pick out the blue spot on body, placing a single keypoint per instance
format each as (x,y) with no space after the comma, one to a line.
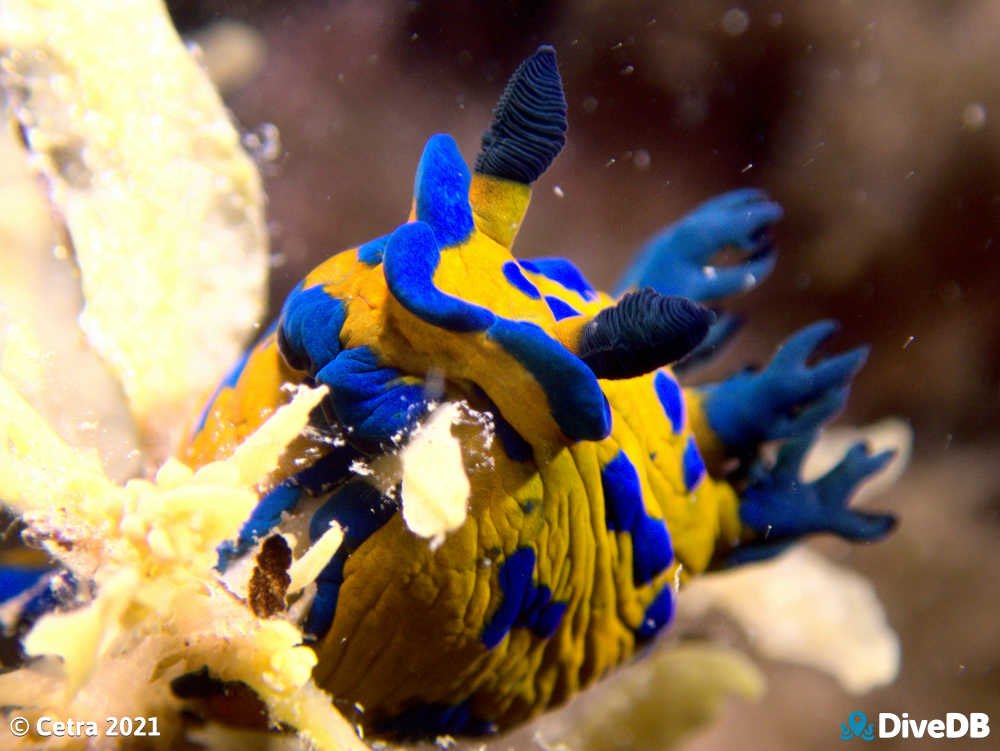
(576,401)
(562,272)
(652,552)
(694,466)
(441,188)
(264,517)
(669,393)
(410,259)
(234,375)
(513,274)
(310,324)
(513,443)
(361,510)
(524,604)
(314,480)
(321,476)
(421,721)
(560,309)
(60,590)
(371,252)
(373,401)
(657,615)
(16,579)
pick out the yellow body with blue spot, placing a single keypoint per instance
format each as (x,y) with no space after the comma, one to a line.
(584,518)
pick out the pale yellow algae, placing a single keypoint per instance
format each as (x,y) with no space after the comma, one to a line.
(164,209)
(654,704)
(159,608)
(802,608)
(43,352)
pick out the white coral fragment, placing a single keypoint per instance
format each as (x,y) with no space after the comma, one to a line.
(305,569)
(435,489)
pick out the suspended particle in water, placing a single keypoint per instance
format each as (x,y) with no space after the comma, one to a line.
(974,116)
(735,21)
(263,142)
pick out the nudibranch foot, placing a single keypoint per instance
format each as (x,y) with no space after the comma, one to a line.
(677,260)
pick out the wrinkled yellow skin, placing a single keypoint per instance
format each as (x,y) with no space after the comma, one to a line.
(409,620)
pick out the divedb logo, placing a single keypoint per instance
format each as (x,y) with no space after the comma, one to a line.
(890,725)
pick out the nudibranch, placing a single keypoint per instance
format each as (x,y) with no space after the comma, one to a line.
(609,485)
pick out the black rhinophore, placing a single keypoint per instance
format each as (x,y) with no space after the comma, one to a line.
(644,331)
(529,122)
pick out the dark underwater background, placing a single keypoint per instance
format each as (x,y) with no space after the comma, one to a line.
(875,124)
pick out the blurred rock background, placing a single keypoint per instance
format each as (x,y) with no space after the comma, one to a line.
(876,125)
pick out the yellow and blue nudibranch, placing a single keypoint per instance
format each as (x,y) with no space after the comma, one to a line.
(596,503)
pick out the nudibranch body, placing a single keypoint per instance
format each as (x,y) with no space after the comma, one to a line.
(594,504)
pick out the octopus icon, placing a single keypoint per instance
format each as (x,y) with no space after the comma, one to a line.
(857,726)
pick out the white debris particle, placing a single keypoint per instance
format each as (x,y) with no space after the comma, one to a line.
(358,467)
(263,142)
(435,488)
(869,72)
(735,21)
(558,191)
(908,342)
(974,116)
(305,569)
